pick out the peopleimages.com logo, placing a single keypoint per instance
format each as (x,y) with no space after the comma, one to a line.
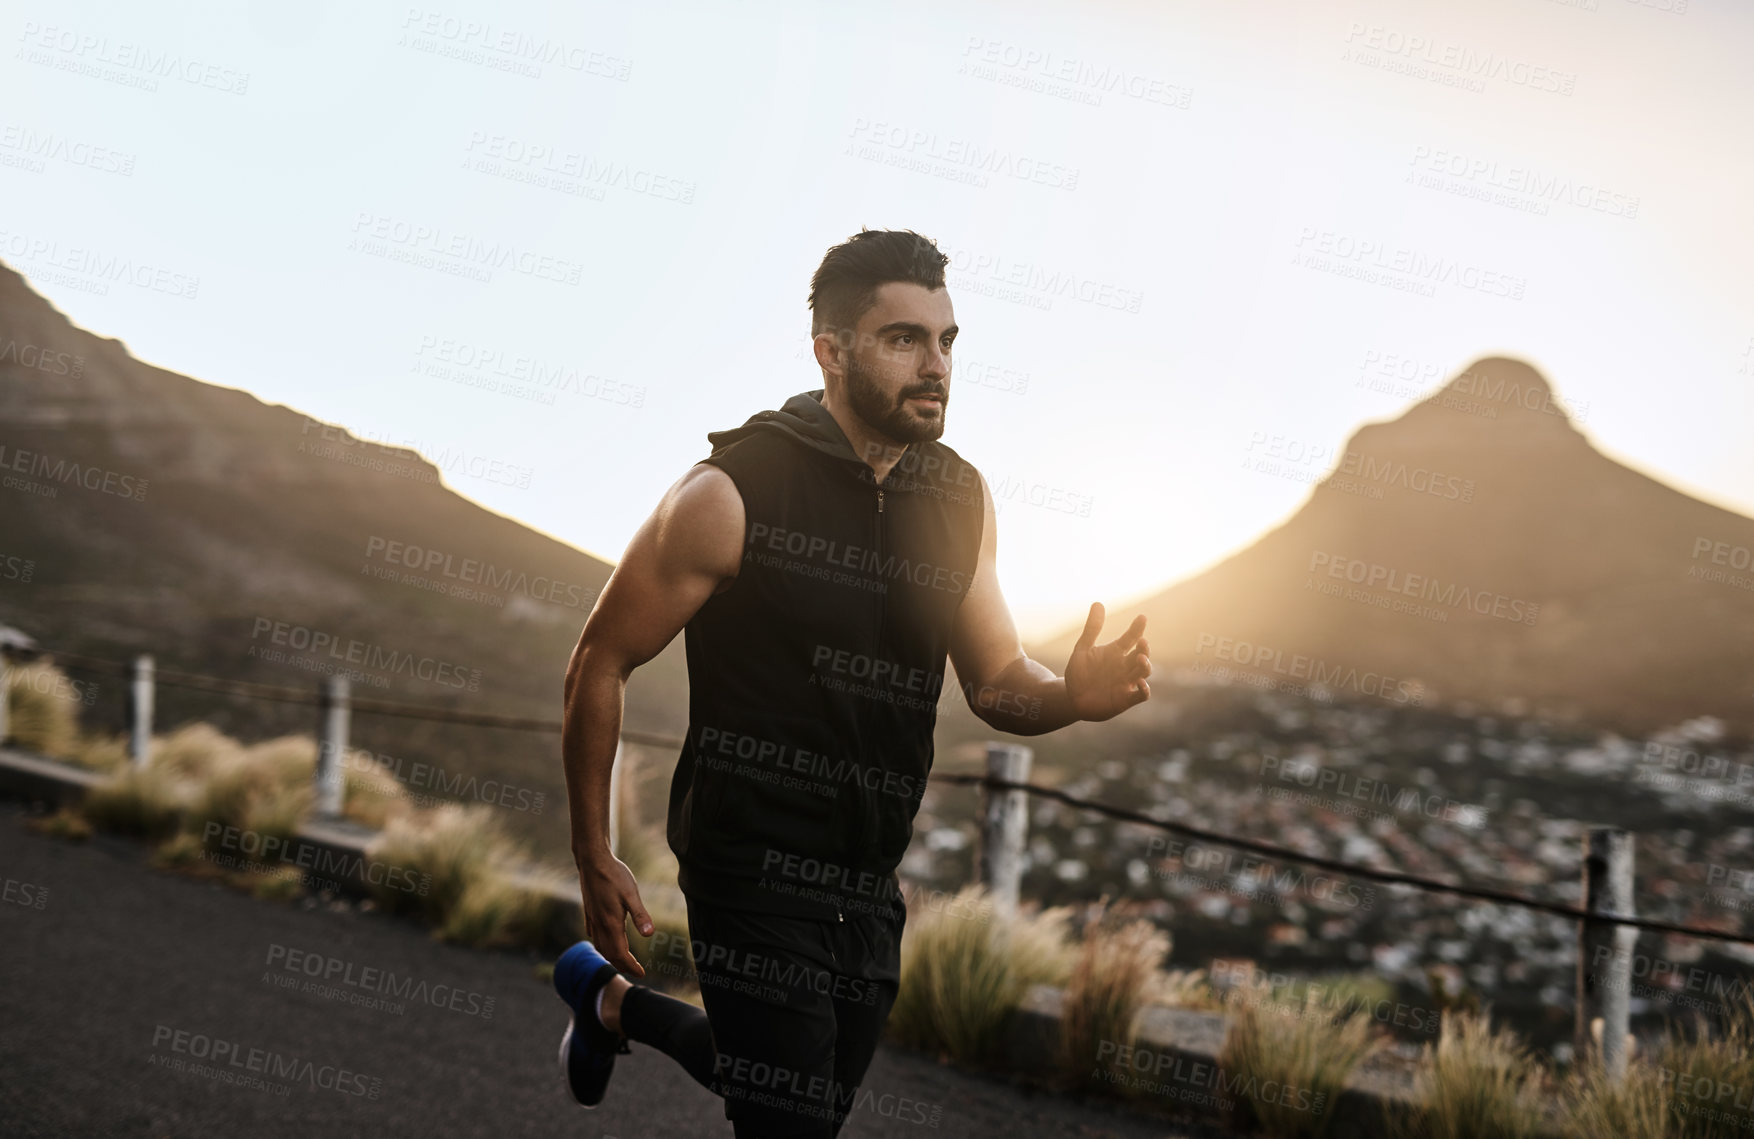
(1313,671)
(59,469)
(264,851)
(431,785)
(337,978)
(347,650)
(26,894)
(38,359)
(442,571)
(232,1062)
(843,563)
(1423,587)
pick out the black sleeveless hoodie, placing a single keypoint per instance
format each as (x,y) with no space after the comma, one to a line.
(814,679)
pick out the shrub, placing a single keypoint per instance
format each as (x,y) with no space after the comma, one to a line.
(494,909)
(100,753)
(1115,975)
(280,884)
(280,773)
(284,759)
(1682,1094)
(1304,1055)
(1634,1108)
(142,802)
(1475,1083)
(192,751)
(453,846)
(178,852)
(965,968)
(1185,988)
(263,789)
(1341,992)
(63,824)
(1710,1074)
(42,709)
(370,794)
(198,780)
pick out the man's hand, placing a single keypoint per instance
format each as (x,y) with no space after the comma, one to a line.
(609,893)
(1103,681)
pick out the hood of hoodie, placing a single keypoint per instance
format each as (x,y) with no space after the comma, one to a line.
(803,418)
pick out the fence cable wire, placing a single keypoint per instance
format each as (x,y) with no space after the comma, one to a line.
(655,739)
(1390,877)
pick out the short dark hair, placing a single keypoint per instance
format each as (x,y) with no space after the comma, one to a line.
(845,284)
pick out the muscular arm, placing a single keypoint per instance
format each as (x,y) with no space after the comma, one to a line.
(689,549)
(1013,693)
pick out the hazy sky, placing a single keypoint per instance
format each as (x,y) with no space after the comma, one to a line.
(1178,230)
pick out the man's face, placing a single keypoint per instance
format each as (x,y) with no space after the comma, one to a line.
(898,370)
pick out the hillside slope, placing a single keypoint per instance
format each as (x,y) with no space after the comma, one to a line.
(235,538)
(1479,549)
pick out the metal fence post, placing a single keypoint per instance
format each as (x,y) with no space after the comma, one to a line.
(332,751)
(140,711)
(1004,822)
(1604,948)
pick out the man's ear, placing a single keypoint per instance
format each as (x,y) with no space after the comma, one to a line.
(837,346)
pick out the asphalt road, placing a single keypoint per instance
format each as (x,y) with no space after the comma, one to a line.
(135,1001)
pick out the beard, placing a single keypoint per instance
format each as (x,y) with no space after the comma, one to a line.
(890,415)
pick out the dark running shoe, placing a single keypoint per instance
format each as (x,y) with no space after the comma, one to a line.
(588,1050)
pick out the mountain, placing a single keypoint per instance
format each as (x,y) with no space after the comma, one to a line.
(1476,550)
(1479,550)
(230,537)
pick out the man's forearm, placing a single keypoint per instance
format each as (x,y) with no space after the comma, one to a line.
(590,729)
(1026,698)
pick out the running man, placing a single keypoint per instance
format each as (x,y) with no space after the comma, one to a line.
(823,561)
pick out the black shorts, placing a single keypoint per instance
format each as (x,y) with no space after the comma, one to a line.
(796,1007)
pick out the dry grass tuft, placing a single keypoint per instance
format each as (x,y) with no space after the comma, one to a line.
(141,802)
(496,910)
(100,753)
(42,709)
(1475,1083)
(1634,1108)
(264,789)
(450,848)
(1116,974)
(191,752)
(1711,1074)
(180,852)
(63,824)
(965,968)
(370,795)
(1303,1056)
(280,884)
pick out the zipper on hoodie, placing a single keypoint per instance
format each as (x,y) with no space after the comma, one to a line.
(882,594)
(868,825)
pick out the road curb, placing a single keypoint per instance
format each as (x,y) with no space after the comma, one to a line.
(1174,1061)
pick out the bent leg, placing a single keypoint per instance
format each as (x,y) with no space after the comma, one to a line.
(675,1028)
(767,983)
